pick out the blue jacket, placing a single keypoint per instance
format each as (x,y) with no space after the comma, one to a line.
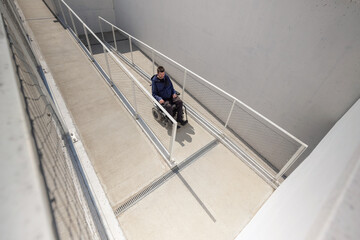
(162,89)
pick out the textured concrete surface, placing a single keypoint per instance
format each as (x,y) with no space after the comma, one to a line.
(212,198)
(123,157)
(189,138)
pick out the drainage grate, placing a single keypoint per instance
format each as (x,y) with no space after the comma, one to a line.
(160,181)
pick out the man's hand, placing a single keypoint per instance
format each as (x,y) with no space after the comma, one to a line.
(161,101)
(174,95)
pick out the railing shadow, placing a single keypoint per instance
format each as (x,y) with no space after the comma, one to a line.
(183,134)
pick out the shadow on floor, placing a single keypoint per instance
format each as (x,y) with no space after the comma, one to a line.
(183,134)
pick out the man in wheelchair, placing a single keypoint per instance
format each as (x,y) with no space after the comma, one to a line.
(163,91)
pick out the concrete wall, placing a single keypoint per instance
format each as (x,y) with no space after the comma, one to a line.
(320,200)
(296,62)
(21,184)
(89,10)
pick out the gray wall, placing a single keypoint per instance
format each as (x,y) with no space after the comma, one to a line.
(296,62)
(320,200)
(89,10)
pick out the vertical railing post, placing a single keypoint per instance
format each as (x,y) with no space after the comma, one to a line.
(57,11)
(62,12)
(153,61)
(87,39)
(134,92)
(72,20)
(101,30)
(183,88)
(172,141)
(231,110)
(113,32)
(131,51)
(108,66)
(300,150)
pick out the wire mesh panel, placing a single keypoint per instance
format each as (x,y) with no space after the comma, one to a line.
(65,188)
(134,96)
(76,26)
(144,108)
(210,98)
(273,146)
(267,142)
(63,13)
(138,100)
(142,57)
(122,44)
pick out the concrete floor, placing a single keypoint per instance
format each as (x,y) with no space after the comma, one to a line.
(145,63)
(214,197)
(186,141)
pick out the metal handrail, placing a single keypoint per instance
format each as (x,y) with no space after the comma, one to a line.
(262,118)
(142,88)
(209,83)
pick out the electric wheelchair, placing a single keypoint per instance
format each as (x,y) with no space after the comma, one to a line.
(161,117)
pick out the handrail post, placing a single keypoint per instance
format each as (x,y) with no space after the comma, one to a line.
(108,67)
(153,61)
(300,150)
(183,88)
(225,95)
(231,110)
(131,51)
(113,32)
(134,93)
(62,11)
(72,20)
(87,39)
(101,30)
(172,141)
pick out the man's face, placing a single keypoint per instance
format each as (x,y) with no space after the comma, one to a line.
(161,75)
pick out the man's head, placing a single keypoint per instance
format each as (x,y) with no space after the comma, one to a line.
(160,72)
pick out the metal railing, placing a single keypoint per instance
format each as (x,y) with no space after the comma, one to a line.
(73,214)
(277,148)
(132,93)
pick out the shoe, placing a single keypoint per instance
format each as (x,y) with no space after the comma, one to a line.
(182,122)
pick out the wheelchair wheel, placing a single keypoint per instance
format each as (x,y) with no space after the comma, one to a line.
(157,114)
(165,122)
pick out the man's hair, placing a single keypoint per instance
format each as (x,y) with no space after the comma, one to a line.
(160,69)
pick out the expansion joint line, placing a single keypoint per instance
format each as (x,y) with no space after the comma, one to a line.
(164,178)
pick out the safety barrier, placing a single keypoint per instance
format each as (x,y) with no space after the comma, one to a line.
(132,93)
(276,148)
(72,214)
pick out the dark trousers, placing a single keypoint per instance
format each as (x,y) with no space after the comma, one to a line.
(168,105)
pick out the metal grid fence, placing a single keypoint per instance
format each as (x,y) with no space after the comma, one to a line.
(276,148)
(66,190)
(132,93)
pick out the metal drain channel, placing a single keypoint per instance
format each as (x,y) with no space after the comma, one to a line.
(160,181)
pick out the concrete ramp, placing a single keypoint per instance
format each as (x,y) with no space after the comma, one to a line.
(123,157)
(210,194)
(213,198)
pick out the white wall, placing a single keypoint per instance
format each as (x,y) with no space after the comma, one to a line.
(296,62)
(89,10)
(24,209)
(320,200)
